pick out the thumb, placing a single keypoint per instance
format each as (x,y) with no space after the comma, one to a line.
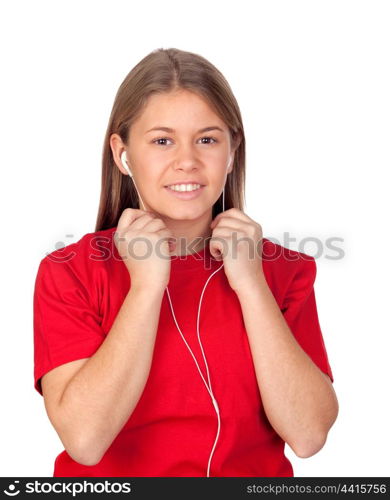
(216,249)
(172,244)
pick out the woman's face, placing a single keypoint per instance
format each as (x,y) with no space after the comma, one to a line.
(185,154)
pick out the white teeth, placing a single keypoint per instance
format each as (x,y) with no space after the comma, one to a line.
(184,187)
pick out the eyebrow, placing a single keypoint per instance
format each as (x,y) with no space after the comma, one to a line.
(171,130)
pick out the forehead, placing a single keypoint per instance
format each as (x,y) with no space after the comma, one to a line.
(178,109)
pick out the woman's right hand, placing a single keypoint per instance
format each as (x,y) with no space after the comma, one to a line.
(142,240)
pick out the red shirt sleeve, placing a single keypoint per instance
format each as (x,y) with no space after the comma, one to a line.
(300,312)
(66,324)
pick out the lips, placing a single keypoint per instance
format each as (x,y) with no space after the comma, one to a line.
(184,182)
(185,195)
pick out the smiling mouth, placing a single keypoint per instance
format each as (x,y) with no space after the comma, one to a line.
(184,188)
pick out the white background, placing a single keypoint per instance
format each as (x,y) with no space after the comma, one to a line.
(312,81)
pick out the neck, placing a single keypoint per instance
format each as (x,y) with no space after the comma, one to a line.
(191,235)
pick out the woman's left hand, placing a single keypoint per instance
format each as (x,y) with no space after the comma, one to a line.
(238,240)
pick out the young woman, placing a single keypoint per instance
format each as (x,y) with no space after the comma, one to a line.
(175,340)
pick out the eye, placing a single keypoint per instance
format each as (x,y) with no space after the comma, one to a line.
(212,138)
(156,141)
(160,139)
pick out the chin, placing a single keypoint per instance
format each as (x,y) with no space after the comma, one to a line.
(187,213)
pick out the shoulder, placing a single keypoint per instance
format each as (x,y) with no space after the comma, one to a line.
(284,267)
(82,258)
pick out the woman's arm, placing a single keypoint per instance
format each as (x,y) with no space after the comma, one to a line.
(99,399)
(297,396)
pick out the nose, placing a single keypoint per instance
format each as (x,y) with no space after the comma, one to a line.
(186,159)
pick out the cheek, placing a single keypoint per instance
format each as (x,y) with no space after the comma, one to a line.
(149,180)
(219,176)
(142,172)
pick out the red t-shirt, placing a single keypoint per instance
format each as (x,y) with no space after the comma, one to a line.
(78,292)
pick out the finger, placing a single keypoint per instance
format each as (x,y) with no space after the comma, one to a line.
(216,249)
(142,221)
(232,223)
(154,225)
(234,213)
(128,216)
(166,234)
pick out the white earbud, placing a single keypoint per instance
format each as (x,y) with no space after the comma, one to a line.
(124,163)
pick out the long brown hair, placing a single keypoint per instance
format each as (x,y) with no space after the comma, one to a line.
(166,70)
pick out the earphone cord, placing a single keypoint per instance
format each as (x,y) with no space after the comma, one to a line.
(208,386)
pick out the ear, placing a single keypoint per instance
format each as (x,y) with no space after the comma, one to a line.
(236,143)
(117,149)
(230,163)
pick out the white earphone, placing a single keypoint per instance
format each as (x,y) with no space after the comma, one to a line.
(208,386)
(124,163)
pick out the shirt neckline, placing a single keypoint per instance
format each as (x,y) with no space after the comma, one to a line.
(201,259)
